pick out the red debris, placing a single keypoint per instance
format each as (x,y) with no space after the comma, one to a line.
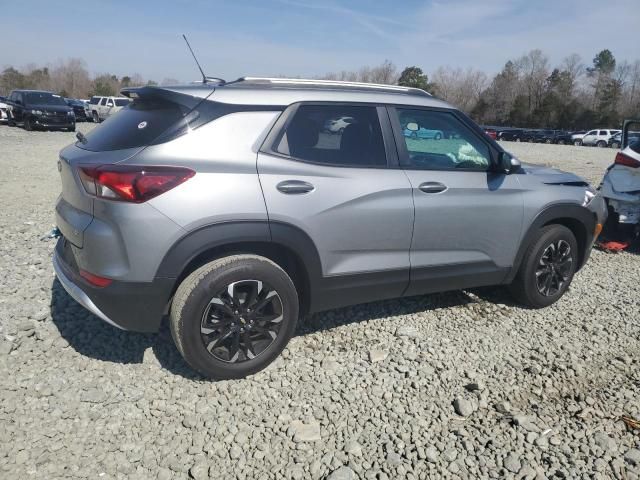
(613,246)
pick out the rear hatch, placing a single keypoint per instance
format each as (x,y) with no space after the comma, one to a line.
(155,116)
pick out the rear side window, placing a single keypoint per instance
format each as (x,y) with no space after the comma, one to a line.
(340,135)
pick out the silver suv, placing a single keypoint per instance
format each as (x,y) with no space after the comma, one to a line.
(233,209)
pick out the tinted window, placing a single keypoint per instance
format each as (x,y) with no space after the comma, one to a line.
(341,135)
(592,132)
(440,141)
(103,101)
(43,98)
(603,132)
(122,102)
(94,100)
(134,126)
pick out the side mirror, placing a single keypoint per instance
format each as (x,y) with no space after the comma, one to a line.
(413,127)
(507,163)
(630,132)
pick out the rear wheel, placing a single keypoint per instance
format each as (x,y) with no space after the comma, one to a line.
(601,144)
(615,145)
(437,136)
(96,118)
(547,268)
(560,142)
(577,143)
(233,316)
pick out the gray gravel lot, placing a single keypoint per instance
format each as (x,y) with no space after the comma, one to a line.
(455,385)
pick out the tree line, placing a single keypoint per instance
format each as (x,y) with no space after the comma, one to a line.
(70,78)
(527,92)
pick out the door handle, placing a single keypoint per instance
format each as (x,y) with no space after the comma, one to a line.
(293,187)
(432,187)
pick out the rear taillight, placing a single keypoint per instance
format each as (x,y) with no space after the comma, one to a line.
(622,159)
(131,183)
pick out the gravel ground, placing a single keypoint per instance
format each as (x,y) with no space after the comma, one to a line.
(456,385)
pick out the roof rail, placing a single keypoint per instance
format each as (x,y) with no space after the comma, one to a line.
(332,83)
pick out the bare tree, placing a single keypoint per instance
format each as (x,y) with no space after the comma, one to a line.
(460,87)
(71,78)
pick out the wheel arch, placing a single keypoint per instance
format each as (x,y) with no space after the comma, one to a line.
(286,245)
(580,220)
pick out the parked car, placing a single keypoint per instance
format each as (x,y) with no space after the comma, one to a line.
(224,206)
(37,109)
(616,140)
(3,109)
(103,107)
(576,137)
(621,184)
(413,130)
(513,135)
(79,109)
(562,138)
(598,138)
(491,133)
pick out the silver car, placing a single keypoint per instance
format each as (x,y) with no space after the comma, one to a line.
(231,208)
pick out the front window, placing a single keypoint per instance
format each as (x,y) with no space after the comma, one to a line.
(43,98)
(440,141)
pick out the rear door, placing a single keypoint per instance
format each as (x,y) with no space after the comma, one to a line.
(590,137)
(468,216)
(336,186)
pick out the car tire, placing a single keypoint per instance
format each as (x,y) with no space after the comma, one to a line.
(601,144)
(518,140)
(615,145)
(203,302)
(28,126)
(72,128)
(544,274)
(96,118)
(560,142)
(437,136)
(577,143)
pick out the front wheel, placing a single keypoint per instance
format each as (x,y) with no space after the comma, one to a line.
(232,317)
(547,267)
(28,126)
(577,143)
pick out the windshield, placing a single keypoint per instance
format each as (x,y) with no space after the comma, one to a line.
(43,98)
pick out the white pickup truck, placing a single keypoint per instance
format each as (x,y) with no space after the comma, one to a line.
(103,107)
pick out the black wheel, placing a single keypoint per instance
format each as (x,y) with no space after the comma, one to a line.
(437,136)
(547,267)
(96,118)
(72,128)
(548,140)
(518,139)
(577,143)
(28,126)
(233,316)
(615,145)
(560,142)
(601,144)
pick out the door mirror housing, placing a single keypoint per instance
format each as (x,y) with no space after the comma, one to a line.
(630,133)
(507,163)
(413,127)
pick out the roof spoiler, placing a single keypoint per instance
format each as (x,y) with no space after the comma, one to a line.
(178,94)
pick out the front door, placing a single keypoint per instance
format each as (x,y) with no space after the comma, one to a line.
(468,216)
(324,170)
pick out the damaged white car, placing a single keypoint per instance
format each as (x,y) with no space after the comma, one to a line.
(621,184)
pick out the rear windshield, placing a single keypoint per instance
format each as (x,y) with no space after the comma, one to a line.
(136,125)
(94,100)
(122,102)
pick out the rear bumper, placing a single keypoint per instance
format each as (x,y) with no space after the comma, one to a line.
(134,306)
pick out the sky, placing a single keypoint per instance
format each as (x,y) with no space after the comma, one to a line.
(309,38)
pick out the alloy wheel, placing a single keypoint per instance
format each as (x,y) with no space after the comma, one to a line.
(241,321)
(554,268)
